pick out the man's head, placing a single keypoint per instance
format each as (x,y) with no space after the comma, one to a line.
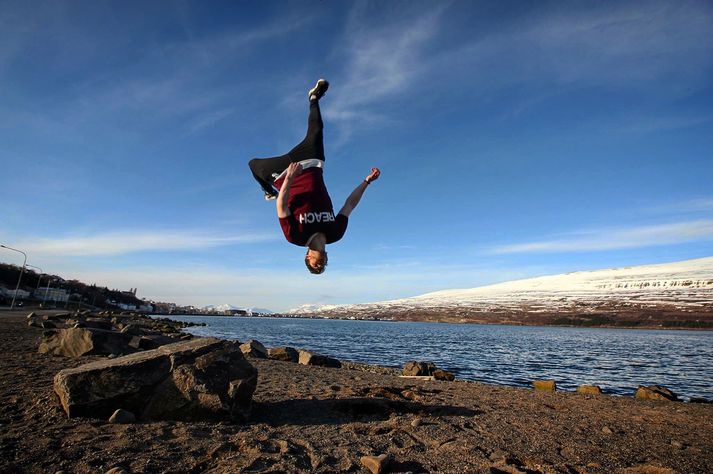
(316,261)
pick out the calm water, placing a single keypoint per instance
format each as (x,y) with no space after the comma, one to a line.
(616,359)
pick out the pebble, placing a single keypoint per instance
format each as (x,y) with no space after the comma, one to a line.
(417,422)
(677,444)
(117,470)
(607,430)
(122,417)
(375,464)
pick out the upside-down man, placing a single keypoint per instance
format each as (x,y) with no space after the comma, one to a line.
(304,207)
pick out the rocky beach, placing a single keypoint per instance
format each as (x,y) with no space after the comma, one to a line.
(205,405)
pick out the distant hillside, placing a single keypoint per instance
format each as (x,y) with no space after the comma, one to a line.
(91,295)
(668,295)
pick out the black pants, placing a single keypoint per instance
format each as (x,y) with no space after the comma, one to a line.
(311,147)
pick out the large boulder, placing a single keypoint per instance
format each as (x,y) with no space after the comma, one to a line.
(76,342)
(311,358)
(287,354)
(219,385)
(254,348)
(191,380)
(655,392)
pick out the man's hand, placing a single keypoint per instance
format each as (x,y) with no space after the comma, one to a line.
(373,176)
(295,169)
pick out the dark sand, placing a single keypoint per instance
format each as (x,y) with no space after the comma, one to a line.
(312,419)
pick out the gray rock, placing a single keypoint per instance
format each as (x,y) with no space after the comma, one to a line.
(655,392)
(132,329)
(76,342)
(35,323)
(415,368)
(122,417)
(218,386)
(98,323)
(117,470)
(287,354)
(311,358)
(440,374)
(254,348)
(544,385)
(589,389)
(191,380)
(376,464)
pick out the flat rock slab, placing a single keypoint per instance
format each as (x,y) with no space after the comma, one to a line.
(178,374)
(311,358)
(77,342)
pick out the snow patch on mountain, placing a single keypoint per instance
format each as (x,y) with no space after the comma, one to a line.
(229,307)
(685,285)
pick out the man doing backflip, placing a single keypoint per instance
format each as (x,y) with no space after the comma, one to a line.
(304,207)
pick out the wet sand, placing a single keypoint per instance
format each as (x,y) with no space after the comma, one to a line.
(314,419)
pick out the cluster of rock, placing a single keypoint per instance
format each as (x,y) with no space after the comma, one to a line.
(86,333)
(253,348)
(200,379)
(652,392)
(426,369)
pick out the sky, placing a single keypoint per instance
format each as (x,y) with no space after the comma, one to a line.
(515,139)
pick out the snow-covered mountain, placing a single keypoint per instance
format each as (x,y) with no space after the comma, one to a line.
(679,287)
(227,307)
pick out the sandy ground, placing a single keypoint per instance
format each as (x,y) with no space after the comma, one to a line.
(313,419)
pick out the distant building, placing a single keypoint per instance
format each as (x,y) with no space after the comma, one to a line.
(127,307)
(21,294)
(57,295)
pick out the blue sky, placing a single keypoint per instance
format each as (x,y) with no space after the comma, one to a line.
(515,139)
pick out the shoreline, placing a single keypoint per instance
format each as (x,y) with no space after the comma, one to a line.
(481,323)
(318,419)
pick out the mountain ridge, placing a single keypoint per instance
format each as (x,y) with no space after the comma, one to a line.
(678,291)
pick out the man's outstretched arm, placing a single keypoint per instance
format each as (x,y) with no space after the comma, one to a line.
(295,169)
(358,192)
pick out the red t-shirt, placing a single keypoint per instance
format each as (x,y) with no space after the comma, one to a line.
(311,210)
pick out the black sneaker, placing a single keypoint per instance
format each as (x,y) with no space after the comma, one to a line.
(270,196)
(318,91)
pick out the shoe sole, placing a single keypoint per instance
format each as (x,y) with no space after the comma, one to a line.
(321,86)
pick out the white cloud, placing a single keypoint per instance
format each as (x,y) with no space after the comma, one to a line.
(618,238)
(117,243)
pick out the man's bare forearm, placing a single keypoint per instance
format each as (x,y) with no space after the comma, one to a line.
(354,198)
(356,195)
(282,199)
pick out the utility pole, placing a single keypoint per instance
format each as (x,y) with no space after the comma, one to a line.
(24,263)
(39,279)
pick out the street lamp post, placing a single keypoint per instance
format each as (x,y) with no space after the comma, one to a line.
(39,279)
(24,263)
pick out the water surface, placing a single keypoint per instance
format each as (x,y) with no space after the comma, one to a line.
(618,360)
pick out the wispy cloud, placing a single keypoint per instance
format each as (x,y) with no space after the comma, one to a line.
(701,205)
(381,60)
(118,243)
(618,238)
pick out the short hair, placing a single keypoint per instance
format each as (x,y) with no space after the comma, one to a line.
(315,270)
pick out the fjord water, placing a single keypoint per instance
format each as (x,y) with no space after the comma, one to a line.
(618,360)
